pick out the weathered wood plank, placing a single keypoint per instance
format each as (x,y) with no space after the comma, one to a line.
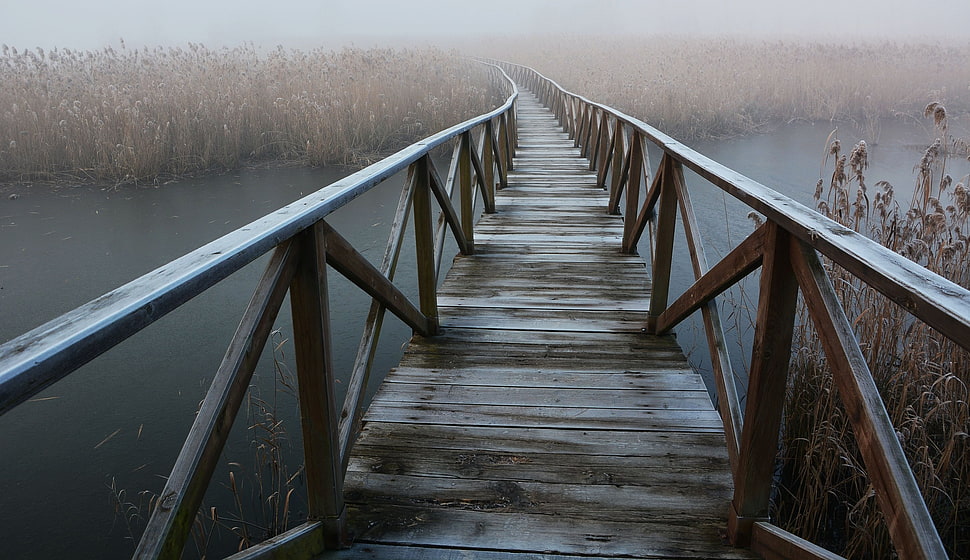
(541,420)
(489,530)
(668,379)
(534,417)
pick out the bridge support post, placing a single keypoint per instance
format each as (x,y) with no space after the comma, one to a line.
(770,357)
(424,247)
(467,193)
(315,376)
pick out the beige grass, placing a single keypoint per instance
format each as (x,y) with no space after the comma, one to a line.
(714,87)
(923,377)
(122,115)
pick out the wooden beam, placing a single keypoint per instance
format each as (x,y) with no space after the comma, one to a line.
(737,264)
(766,387)
(774,543)
(448,212)
(607,156)
(637,158)
(663,251)
(300,542)
(910,525)
(315,379)
(352,409)
(424,243)
(476,161)
(466,194)
(346,260)
(175,510)
(488,163)
(647,209)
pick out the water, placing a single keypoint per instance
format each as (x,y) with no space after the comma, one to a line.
(123,417)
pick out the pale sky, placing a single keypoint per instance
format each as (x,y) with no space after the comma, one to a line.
(93,24)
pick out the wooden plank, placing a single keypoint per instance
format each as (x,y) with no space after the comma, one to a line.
(532,417)
(540,319)
(557,397)
(489,530)
(774,543)
(668,379)
(541,420)
(531,440)
(668,499)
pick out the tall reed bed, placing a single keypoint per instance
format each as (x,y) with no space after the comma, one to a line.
(123,115)
(923,377)
(712,87)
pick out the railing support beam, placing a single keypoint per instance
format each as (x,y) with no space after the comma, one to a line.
(766,387)
(315,377)
(424,243)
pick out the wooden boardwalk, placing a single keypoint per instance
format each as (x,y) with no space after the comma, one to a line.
(542,423)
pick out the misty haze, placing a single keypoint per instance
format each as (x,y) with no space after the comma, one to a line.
(514,200)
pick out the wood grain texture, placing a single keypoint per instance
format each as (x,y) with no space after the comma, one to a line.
(542,422)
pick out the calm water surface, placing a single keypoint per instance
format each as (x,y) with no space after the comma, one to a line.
(122,418)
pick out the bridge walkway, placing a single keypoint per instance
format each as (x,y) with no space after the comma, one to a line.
(542,423)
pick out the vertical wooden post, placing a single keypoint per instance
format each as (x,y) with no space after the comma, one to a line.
(513,132)
(465,188)
(770,356)
(619,158)
(600,160)
(488,162)
(505,145)
(424,242)
(632,206)
(666,218)
(315,376)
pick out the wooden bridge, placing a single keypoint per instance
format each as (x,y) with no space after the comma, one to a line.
(541,410)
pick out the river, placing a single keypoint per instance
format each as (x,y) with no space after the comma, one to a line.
(121,419)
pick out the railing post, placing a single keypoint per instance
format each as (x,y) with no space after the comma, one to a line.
(467,193)
(770,357)
(424,242)
(488,162)
(666,217)
(632,206)
(619,156)
(601,158)
(315,377)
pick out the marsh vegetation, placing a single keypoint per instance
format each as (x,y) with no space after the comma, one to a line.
(126,116)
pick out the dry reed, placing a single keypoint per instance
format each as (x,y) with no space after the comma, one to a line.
(922,376)
(120,115)
(715,87)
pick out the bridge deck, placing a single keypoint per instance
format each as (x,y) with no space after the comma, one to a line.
(542,423)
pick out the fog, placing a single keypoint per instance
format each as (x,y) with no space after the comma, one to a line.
(303,23)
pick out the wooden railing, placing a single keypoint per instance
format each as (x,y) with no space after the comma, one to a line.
(302,246)
(786,248)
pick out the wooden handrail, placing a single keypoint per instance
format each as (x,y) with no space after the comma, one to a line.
(786,248)
(304,246)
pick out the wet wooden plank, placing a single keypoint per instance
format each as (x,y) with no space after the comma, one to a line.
(542,422)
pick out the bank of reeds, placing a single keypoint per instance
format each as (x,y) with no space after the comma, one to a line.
(120,115)
(715,87)
(922,376)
